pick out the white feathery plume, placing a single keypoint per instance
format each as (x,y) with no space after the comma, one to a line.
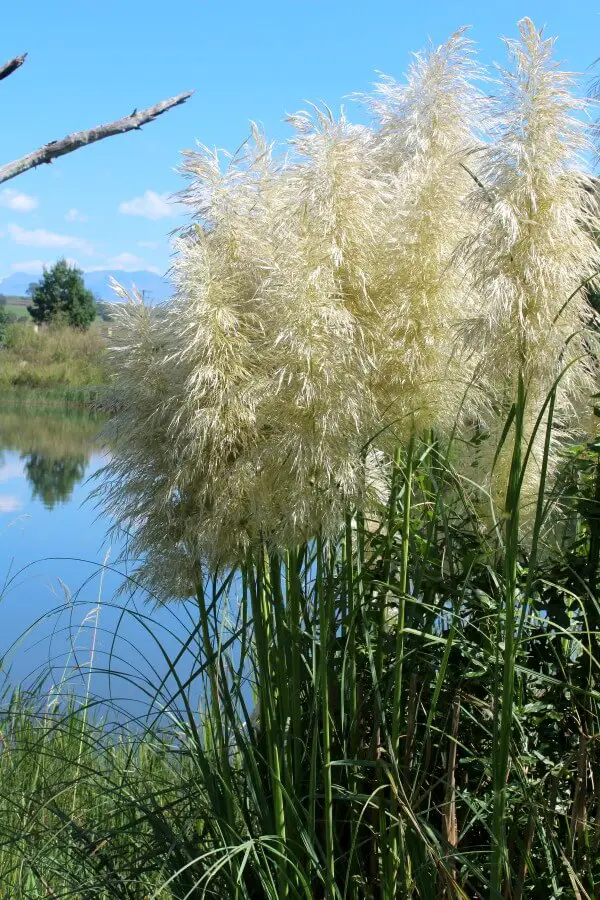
(533,248)
(429,129)
(322,298)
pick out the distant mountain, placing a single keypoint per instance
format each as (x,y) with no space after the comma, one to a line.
(154,288)
(16,285)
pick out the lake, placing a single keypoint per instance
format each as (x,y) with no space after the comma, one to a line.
(71,619)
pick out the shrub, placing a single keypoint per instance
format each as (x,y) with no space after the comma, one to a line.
(4,322)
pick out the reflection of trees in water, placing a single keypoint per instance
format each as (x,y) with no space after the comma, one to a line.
(52,479)
(55,447)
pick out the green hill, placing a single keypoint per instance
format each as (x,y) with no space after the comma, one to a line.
(17,305)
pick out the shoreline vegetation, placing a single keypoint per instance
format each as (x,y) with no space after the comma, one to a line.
(53,365)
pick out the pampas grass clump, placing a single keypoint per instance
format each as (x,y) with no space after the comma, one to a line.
(368,285)
(388,684)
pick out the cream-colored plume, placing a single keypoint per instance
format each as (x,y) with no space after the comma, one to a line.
(336,299)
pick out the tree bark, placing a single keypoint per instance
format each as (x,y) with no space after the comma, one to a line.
(78,139)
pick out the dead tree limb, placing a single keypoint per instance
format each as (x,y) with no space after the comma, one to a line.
(12,65)
(79,139)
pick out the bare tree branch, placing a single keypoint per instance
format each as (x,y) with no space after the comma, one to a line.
(79,139)
(12,65)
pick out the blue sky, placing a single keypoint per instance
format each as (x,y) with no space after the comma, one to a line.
(106,206)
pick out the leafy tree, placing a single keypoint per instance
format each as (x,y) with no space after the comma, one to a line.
(61,295)
(2,300)
(103,310)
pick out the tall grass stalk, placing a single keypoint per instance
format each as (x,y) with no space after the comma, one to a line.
(503,725)
(327,599)
(396,848)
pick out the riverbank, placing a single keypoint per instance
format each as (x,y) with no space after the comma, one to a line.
(53,365)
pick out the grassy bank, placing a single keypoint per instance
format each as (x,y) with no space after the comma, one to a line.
(71,793)
(63,362)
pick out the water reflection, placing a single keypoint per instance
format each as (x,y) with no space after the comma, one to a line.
(53,480)
(68,610)
(54,449)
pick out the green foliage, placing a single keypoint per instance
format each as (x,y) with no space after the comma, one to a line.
(4,323)
(52,358)
(333,720)
(104,310)
(68,778)
(61,297)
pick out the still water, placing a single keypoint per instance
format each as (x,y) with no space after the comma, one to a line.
(71,620)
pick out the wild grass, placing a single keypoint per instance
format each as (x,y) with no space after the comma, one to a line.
(56,359)
(77,805)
